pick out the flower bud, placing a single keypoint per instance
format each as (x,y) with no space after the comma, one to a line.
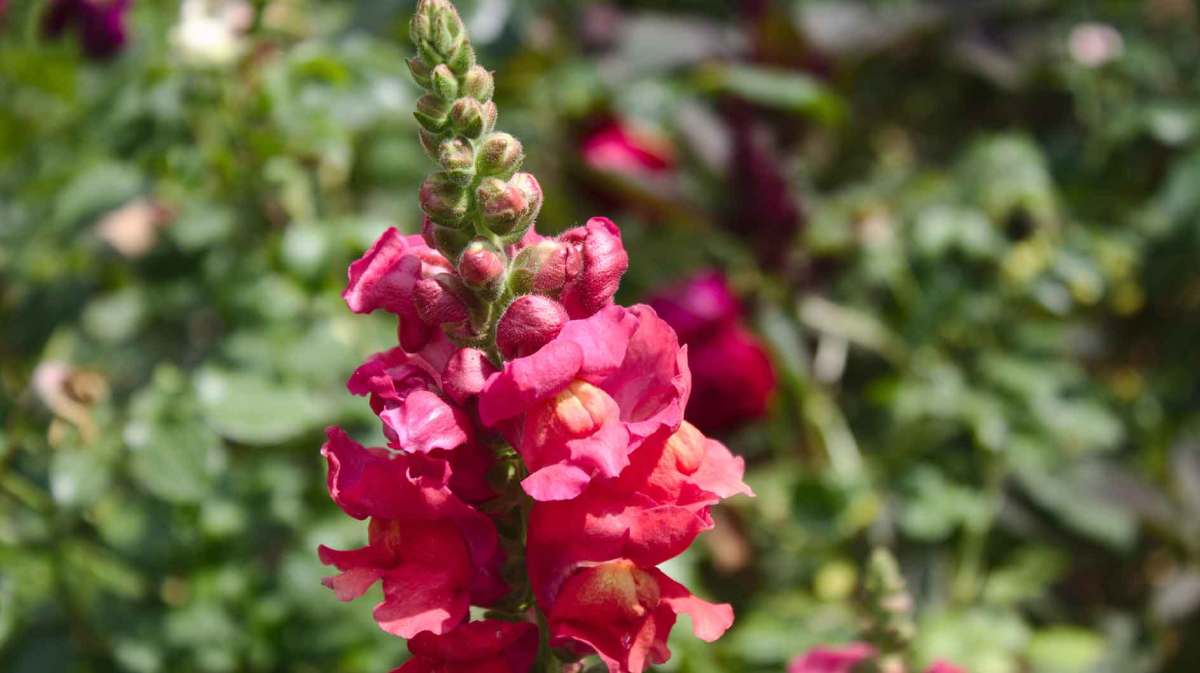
(466,373)
(437,302)
(529,323)
(466,117)
(448,33)
(420,72)
(457,156)
(481,264)
(437,28)
(532,191)
(490,113)
(450,241)
(502,205)
(540,268)
(479,84)
(462,60)
(443,199)
(595,264)
(444,83)
(431,142)
(432,112)
(500,154)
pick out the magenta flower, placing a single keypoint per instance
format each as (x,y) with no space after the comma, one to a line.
(417,418)
(732,375)
(649,514)
(577,407)
(434,554)
(99,23)
(386,277)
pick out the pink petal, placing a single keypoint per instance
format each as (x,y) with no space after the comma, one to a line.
(425,422)
(709,620)
(526,380)
(558,481)
(418,598)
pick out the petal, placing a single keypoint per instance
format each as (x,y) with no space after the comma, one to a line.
(526,380)
(558,481)
(652,383)
(721,472)
(425,422)
(709,620)
(419,598)
(377,279)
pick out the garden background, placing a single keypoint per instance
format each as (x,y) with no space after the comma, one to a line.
(966,234)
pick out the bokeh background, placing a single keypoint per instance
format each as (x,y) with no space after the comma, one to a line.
(938,264)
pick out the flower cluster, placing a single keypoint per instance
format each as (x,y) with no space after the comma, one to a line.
(732,375)
(537,463)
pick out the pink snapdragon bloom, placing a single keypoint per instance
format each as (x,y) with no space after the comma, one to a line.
(615,147)
(650,513)
(406,394)
(100,24)
(591,559)
(487,646)
(624,613)
(732,375)
(387,276)
(577,407)
(434,554)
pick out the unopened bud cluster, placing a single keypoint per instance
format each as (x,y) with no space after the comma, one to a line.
(478,192)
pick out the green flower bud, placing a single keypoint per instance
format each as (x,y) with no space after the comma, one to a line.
(444,83)
(420,72)
(490,112)
(431,142)
(457,156)
(462,60)
(447,32)
(500,154)
(466,117)
(432,112)
(479,84)
(444,199)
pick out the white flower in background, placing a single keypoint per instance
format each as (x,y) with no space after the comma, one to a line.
(1094,44)
(211,32)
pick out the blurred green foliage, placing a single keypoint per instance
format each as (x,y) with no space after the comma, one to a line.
(985,325)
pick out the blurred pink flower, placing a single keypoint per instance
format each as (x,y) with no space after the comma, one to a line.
(615,147)
(839,659)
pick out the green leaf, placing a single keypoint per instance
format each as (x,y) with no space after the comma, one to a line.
(252,409)
(787,90)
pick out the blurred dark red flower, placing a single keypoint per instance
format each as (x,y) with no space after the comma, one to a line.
(732,375)
(100,24)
